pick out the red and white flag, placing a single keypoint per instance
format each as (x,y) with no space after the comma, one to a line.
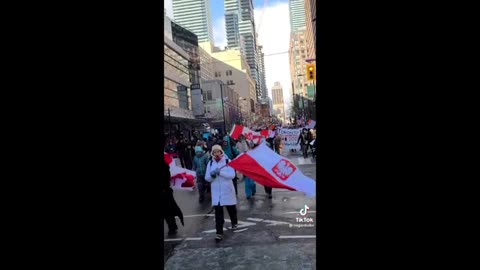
(180,178)
(251,135)
(311,124)
(270,169)
(239,130)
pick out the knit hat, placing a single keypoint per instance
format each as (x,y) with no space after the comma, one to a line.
(217,147)
(198,149)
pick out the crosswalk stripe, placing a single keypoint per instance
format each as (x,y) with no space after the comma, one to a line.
(296,236)
(173,239)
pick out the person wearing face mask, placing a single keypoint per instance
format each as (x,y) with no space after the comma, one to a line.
(220,175)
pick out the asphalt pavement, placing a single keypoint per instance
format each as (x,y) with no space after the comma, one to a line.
(272,233)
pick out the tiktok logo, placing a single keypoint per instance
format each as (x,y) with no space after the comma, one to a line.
(304,211)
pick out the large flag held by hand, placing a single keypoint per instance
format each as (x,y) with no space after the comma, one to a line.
(180,178)
(270,169)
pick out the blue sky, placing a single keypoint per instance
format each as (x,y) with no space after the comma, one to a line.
(271,18)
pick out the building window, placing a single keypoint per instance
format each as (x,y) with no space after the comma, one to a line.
(228,73)
(230,82)
(218,74)
(209,95)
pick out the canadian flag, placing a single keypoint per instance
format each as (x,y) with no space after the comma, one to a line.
(180,178)
(270,169)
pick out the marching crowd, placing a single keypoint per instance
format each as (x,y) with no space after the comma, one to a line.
(209,159)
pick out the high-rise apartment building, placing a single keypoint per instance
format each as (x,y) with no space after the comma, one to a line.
(298,54)
(261,72)
(194,15)
(240,31)
(310,11)
(297,14)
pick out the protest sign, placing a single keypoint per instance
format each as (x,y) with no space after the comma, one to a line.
(290,137)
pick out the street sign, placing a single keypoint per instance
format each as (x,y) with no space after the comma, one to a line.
(195,86)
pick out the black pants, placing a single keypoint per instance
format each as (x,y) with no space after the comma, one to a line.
(202,186)
(172,224)
(219,219)
(305,150)
(268,190)
(182,160)
(235,184)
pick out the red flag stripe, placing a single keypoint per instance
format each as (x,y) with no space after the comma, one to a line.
(252,169)
(236,132)
(168,158)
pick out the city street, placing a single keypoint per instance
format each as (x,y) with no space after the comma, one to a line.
(270,234)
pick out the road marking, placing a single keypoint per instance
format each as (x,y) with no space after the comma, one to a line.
(193,238)
(242,224)
(274,222)
(173,239)
(255,219)
(296,236)
(214,230)
(202,215)
(241,230)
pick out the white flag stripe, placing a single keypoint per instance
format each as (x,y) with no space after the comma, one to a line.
(268,159)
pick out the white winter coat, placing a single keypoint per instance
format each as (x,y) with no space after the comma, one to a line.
(221,187)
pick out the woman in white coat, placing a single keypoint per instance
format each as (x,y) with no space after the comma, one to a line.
(220,175)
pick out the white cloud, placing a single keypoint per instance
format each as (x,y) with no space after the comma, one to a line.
(274,36)
(168,4)
(219,32)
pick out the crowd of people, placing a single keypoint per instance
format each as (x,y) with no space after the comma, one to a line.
(209,159)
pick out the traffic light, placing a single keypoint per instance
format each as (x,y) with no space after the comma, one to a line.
(311,72)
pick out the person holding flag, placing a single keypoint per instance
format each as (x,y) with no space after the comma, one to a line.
(220,175)
(168,201)
(232,152)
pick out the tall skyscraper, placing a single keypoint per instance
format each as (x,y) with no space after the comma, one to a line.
(297,15)
(277,93)
(278,104)
(261,72)
(194,15)
(240,28)
(298,54)
(232,20)
(310,11)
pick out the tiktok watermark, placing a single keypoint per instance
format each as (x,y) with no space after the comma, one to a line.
(303,220)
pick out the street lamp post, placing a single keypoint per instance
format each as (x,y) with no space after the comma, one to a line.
(223,108)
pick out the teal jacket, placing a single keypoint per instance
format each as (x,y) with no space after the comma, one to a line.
(230,150)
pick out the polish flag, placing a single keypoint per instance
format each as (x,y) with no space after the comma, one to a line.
(270,169)
(311,124)
(180,178)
